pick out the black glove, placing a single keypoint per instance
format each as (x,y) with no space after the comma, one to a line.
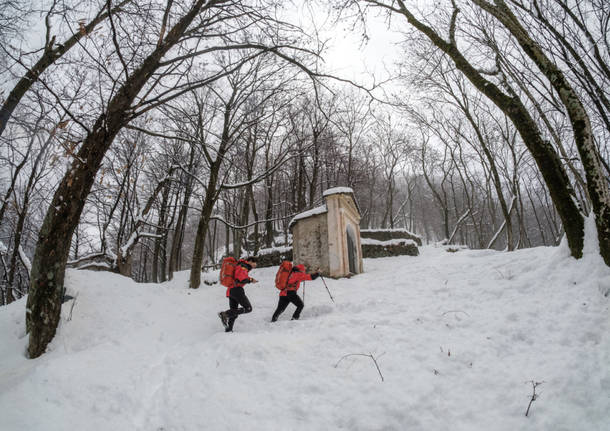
(315,275)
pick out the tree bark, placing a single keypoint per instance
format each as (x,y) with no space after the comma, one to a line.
(161,232)
(269,213)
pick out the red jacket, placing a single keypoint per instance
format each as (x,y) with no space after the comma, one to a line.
(294,281)
(240,276)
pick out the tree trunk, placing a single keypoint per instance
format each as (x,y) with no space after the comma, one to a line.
(315,169)
(300,197)
(164,266)
(269,215)
(202,227)
(161,233)
(239,235)
(255,215)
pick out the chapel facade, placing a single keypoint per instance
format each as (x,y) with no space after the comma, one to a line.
(327,238)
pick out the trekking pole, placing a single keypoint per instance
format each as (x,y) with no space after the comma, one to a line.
(331,297)
(303,293)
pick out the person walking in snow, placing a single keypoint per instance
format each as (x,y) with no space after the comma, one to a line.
(289,294)
(236,293)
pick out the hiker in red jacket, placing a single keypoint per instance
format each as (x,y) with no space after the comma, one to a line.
(289,294)
(236,293)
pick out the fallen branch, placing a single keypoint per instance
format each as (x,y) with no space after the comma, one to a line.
(370,355)
(72,307)
(534,395)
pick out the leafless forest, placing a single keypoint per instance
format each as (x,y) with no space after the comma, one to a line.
(149,137)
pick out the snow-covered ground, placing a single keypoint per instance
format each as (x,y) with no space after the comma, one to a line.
(458,338)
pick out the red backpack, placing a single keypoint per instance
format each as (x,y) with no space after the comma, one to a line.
(227,271)
(283,272)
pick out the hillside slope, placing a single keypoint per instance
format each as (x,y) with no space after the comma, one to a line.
(457,337)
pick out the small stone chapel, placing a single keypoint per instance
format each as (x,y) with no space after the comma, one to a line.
(327,238)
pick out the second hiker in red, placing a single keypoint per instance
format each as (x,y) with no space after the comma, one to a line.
(289,294)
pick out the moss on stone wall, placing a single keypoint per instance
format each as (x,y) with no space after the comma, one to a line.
(388,234)
(385,250)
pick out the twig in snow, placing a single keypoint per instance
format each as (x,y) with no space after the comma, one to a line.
(370,355)
(509,275)
(534,395)
(72,307)
(499,272)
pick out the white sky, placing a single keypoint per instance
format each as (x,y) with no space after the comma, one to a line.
(347,55)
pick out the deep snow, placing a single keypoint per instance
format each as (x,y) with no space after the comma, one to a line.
(458,337)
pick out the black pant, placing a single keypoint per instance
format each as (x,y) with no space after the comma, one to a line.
(291,296)
(237,297)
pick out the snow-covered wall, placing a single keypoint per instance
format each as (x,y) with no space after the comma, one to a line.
(394,247)
(388,234)
(273,256)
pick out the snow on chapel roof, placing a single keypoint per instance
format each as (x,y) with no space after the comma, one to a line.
(322,209)
(312,212)
(346,190)
(337,190)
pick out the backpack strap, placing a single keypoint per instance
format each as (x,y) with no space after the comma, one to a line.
(290,285)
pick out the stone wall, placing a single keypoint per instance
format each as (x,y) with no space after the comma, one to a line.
(396,247)
(268,257)
(388,234)
(273,256)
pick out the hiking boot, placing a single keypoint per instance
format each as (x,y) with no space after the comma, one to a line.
(223,319)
